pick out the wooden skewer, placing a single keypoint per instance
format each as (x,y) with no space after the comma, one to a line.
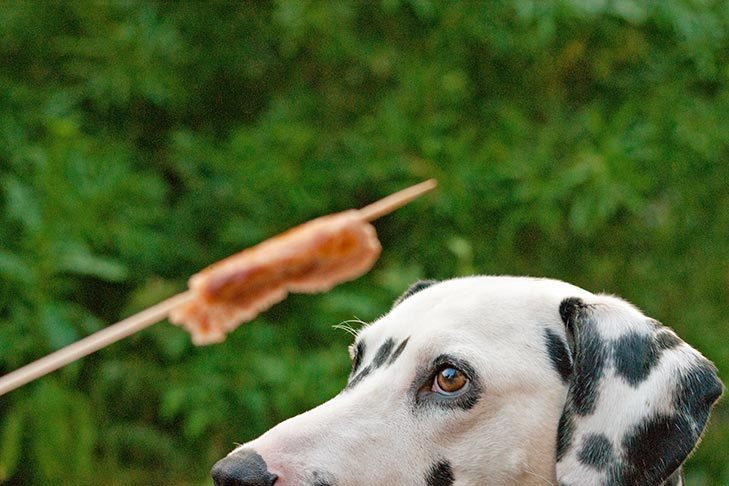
(396,200)
(91,343)
(157,312)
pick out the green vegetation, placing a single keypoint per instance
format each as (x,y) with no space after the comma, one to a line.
(140,141)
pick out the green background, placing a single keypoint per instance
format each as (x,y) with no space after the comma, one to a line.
(139,141)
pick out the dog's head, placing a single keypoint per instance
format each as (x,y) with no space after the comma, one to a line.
(497,380)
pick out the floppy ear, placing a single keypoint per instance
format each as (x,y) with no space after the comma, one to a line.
(414,289)
(638,399)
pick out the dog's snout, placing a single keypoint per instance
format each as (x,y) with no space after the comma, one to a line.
(242,468)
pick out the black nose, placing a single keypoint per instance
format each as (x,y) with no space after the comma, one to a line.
(244,468)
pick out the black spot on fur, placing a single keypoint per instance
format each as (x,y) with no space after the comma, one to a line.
(697,391)
(635,355)
(565,431)
(569,308)
(591,353)
(414,289)
(440,474)
(322,479)
(569,311)
(359,352)
(383,353)
(666,339)
(596,452)
(653,450)
(360,376)
(558,354)
(398,351)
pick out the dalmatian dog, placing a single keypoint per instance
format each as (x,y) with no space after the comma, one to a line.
(497,381)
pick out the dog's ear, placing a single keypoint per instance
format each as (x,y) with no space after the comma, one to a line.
(414,289)
(638,398)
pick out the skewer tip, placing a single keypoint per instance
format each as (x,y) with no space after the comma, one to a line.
(394,201)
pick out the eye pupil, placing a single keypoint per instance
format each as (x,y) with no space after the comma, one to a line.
(450,380)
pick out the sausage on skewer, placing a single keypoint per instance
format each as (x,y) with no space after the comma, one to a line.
(312,257)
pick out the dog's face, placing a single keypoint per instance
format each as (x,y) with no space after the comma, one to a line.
(496,380)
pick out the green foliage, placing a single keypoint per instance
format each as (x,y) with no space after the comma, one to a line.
(140,141)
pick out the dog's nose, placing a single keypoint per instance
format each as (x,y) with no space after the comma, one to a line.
(243,468)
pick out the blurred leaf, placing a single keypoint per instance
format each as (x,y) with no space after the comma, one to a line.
(59,329)
(21,203)
(74,436)
(12,267)
(78,260)
(11,434)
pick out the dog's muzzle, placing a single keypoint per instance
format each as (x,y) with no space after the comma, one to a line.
(242,468)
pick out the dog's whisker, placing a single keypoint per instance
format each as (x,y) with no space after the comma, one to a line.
(357,320)
(347,326)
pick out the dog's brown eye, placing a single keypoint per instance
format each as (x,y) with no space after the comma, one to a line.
(449,380)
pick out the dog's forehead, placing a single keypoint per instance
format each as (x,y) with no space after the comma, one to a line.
(475,307)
